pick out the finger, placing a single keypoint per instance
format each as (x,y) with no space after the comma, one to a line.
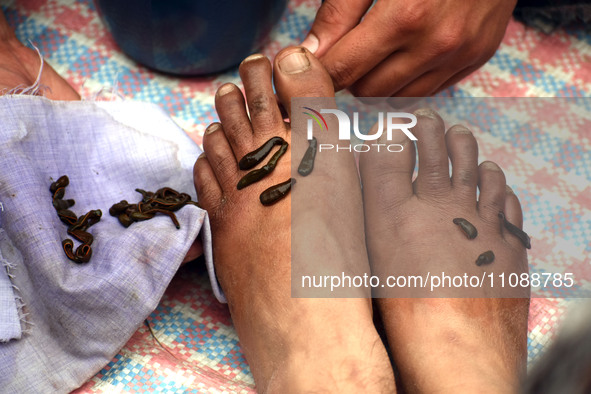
(391,75)
(333,20)
(361,49)
(457,77)
(426,84)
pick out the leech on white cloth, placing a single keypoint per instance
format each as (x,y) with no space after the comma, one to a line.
(79,316)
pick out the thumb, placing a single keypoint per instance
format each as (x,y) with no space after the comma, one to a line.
(334,19)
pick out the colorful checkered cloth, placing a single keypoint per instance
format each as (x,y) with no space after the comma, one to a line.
(200,350)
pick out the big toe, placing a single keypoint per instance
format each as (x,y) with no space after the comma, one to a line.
(298,73)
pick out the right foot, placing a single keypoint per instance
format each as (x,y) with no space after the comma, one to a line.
(445,344)
(291,344)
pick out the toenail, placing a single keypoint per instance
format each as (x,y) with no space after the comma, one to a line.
(459,129)
(426,112)
(294,62)
(253,57)
(225,89)
(489,165)
(212,127)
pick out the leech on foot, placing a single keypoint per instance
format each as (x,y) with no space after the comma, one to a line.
(467,227)
(277,192)
(513,229)
(485,258)
(260,173)
(307,164)
(256,156)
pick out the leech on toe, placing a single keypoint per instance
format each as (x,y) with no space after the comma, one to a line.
(256,156)
(513,229)
(277,192)
(258,174)
(467,227)
(307,164)
(485,258)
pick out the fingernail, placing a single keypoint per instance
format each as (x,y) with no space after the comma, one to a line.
(294,62)
(509,190)
(212,127)
(253,57)
(202,156)
(311,43)
(225,89)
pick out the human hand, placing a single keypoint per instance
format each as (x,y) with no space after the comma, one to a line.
(413,48)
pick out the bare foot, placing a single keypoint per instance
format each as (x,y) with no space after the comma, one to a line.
(446,344)
(291,344)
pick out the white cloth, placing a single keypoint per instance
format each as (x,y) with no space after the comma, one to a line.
(10,327)
(78,316)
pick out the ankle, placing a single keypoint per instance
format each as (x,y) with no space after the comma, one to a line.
(339,374)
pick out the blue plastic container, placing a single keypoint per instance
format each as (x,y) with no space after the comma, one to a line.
(190,37)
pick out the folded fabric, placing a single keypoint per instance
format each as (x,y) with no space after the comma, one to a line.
(10,327)
(75,317)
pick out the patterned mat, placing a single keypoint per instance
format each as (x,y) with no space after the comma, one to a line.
(197,349)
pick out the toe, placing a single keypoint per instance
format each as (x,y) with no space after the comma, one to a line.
(463,152)
(220,157)
(265,116)
(491,182)
(433,177)
(209,192)
(387,176)
(513,211)
(230,106)
(298,73)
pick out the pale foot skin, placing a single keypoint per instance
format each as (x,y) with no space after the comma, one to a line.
(445,344)
(291,344)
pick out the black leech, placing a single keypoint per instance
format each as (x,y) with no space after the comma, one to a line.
(307,164)
(77,225)
(63,181)
(513,229)
(256,156)
(258,174)
(277,192)
(467,227)
(485,258)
